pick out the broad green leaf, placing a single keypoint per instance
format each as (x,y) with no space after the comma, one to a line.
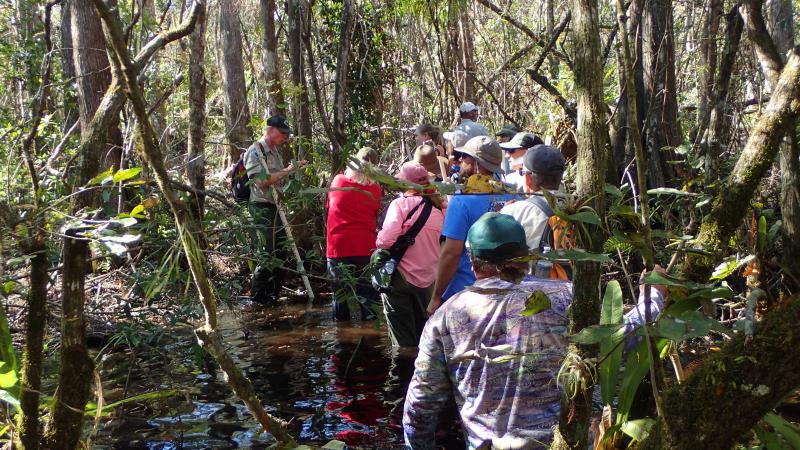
(786,429)
(8,287)
(102,178)
(595,333)
(8,376)
(769,439)
(762,234)
(7,353)
(671,191)
(612,190)
(711,293)
(9,398)
(689,324)
(638,429)
(658,278)
(610,351)
(126,174)
(536,303)
(589,217)
(137,212)
(636,367)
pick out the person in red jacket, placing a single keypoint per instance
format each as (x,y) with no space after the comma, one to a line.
(351,234)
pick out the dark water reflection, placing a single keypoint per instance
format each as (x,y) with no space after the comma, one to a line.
(331,381)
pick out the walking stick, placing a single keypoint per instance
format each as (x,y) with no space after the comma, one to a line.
(295,251)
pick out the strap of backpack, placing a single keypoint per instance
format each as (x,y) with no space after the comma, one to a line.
(547,234)
(542,204)
(405,241)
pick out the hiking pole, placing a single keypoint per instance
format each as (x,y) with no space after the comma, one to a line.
(282,214)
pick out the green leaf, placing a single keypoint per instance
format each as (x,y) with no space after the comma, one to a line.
(137,212)
(589,217)
(671,191)
(610,351)
(762,234)
(8,287)
(536,303)
(102,178)
(595,333)
(770,440)
(8,376)
(659,278)
(126,174)
(638,429)
(689,324)
(786,429)
(335,445)
(9,398)
(636,367)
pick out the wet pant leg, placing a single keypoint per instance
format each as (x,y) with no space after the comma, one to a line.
(404,308)
(269,241)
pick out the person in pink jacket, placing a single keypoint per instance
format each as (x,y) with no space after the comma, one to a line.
(412,284)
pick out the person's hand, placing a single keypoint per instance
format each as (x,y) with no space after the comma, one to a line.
(433,305)
(300,164)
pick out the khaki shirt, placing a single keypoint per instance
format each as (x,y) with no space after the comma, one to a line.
(255,171)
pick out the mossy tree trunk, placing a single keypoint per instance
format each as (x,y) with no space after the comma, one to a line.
(573,430)
(188,230)
(234,89)
(195,149)
(728,211)
(730,392)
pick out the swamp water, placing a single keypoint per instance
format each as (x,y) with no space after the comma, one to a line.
(329,380)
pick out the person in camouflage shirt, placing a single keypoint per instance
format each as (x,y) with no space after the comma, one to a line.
(498,364)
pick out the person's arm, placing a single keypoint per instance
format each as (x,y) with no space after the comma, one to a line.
(276,177)
(428,393)
(449,257)
(392,226)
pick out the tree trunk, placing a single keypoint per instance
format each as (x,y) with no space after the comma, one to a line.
(661,116)
(272,73)
(590,177)
(236,110)
(779,116)
(550,23)
(467,60)
(708,64)
(340,106)
(195,149)
(721,401)
(301,108)
(71,114)
(187,230)
(781,27)
(713,135)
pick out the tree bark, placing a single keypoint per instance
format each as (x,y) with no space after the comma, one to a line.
(301,108)
(272,72)
(592,159)
(730,392)
(340,91)
(234,88)
(708,63)
(712,137)
(195,149)
(779,116)
(71,114)
(781,27)
(661,117)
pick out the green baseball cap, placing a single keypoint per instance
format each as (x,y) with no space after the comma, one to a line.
(497,237)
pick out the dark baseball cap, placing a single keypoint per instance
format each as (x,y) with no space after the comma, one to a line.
(279,122)
(522,140)
(497,237)
(508,130)
(544,159)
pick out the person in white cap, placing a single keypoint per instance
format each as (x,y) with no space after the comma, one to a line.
(469,125)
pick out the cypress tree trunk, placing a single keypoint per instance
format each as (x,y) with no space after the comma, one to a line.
(301,108)
(277,102)
(195,150)
(576,412)
(237,112)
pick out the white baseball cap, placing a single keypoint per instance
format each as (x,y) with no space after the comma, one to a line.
(468,107)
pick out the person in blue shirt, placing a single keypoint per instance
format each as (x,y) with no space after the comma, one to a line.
(479,158)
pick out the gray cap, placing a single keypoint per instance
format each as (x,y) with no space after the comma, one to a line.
(468,107)
(486,151)
(457,137)
(522,140)
(508,130)
(544,159)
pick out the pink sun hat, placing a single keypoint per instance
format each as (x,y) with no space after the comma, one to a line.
(413,172)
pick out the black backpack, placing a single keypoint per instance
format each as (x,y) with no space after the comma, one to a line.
(240,182)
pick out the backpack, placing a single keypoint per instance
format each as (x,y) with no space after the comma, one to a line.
(557,235)
(240,182)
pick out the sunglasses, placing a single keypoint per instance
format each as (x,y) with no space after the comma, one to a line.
(458,155)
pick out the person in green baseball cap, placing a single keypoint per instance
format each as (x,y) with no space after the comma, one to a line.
(460,357)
